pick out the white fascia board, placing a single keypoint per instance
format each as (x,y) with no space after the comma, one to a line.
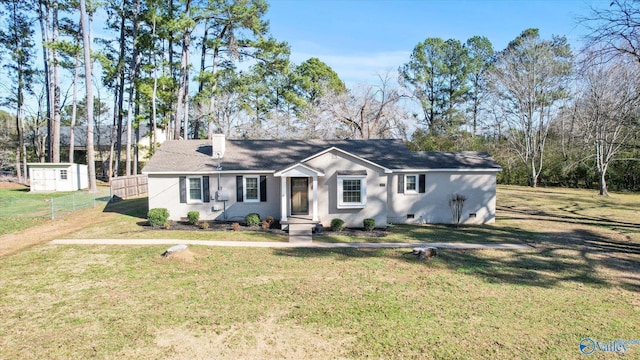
(386,171)
(309,171)
(208,172)
(444,170)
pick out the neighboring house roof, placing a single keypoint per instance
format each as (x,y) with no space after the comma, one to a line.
(184,156)
(101,135)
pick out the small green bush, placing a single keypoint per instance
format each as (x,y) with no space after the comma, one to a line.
(193,217)
(252,219)
(337,225)
(158,216)
(369,224)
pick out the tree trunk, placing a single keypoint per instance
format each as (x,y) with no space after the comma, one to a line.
(55,106)
(19,135)
(120,93)
(89,86)
(43,13)
(603,184)
(74,106)
(137,137)
(182,116)
(112,137)
(152,135)
(135,60)
(172,75)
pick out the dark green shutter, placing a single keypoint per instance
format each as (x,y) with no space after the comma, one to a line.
(400,184)
(205,189)
(183,189)
(421,183)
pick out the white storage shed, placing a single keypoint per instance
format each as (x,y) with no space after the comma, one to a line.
(58,176)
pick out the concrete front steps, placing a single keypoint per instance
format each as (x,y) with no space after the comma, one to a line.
(300,232)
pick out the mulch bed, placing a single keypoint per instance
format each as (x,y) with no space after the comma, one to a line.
(275,229)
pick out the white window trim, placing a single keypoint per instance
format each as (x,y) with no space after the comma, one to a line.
(244,189)
(410,191)
(66,174)
(363,192)
(189,199)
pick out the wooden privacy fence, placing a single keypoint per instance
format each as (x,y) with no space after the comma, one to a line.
(127,187)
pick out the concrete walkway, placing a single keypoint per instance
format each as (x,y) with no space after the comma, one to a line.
(314,244)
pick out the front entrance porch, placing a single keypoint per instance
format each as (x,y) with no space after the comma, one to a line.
(299,200)
(299,192)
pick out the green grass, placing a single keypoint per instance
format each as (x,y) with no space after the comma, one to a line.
(12,225)
(431,233)
(128,302)
(20,209)
(580,279)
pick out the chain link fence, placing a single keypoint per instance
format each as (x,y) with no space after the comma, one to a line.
(54,206)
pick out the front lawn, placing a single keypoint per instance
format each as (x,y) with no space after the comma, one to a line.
(581,279)
(130,303)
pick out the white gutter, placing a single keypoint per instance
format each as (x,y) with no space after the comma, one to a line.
(208,172)
(443,170)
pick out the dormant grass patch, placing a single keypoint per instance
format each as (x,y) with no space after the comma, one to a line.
(579,280)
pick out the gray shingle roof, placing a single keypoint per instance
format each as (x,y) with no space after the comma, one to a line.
(266,155)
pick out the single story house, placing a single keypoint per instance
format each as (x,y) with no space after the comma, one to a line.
(319,180)
(58,176)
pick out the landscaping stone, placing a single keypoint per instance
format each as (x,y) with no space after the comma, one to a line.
(174,249)
(426,252)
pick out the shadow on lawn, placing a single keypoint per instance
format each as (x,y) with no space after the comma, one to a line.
(578,255)
(137,207)
(571,216)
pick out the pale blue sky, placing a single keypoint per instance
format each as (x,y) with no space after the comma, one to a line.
(359,38)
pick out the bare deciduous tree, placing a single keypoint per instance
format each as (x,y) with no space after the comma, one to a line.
(530,79)
(614,30)
(606,111)
(371,112)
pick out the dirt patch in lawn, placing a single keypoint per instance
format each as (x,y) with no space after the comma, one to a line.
(185,255)
(52,229)
(269,338)
(10,185)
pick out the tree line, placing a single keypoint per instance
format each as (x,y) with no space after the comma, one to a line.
(548,113)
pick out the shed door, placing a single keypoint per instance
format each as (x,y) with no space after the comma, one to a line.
(44,179)
(299,196)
